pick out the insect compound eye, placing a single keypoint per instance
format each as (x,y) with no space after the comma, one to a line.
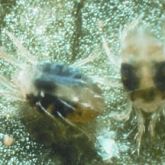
(129,78)
(159,77)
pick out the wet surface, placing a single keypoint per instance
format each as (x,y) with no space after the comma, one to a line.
(68,31)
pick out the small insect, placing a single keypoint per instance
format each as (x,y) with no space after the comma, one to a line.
(57,92)
(143,76)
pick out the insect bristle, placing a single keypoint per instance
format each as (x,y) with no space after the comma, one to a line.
(4,56)
(83,62)
(26,56)
(16,84)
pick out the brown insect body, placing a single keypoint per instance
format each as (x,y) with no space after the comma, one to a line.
(143,75)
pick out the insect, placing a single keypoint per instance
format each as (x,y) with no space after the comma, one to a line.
(59,94)
(143,76)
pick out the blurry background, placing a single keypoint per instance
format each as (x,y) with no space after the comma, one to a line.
(67,31)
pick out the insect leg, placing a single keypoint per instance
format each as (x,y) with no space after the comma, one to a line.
(141,128)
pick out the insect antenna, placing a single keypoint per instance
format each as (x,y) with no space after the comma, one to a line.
(72,124)
(38,104)
(68,105)
(81,62)
(61,116)
(113,60)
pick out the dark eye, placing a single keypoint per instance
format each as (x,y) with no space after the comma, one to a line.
(159,77)
(129,78)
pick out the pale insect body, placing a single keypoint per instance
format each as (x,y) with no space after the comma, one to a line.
(59,91)
(143,75)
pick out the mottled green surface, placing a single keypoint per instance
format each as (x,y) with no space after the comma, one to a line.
(62,30)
